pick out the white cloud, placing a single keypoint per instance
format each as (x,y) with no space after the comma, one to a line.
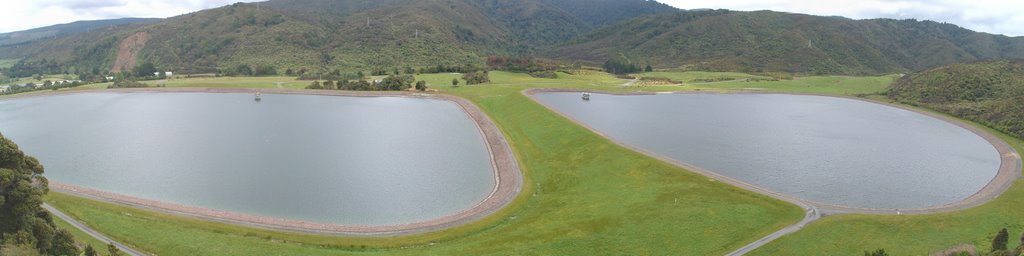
(992,16)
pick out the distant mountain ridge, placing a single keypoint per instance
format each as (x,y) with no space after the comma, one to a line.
(68,29)
(367,35)
(773,41)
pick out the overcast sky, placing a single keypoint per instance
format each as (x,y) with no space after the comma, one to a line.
(993,16)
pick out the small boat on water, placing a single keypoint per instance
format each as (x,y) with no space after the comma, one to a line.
(258,96)
(586,96)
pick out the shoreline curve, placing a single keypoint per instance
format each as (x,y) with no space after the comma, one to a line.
(1009,170)
(508,178)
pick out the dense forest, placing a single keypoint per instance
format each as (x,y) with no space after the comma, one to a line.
(989,92)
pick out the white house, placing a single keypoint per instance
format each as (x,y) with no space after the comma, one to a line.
(110,78)
(168,74)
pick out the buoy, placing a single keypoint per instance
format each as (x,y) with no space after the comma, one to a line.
(586,96)
(258,97)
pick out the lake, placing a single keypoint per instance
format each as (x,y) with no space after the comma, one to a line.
(364,161)
(823,149)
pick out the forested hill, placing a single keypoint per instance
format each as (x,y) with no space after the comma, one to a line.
(369,35)
(989,92)
(331,34)
(774,41)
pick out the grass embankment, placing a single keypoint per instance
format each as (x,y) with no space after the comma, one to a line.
(82,238)
(584,195)
(831,85)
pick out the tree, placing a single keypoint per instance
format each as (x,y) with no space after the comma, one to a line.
(244,70)
(113,251)
(421,85)
(1000,241)
(23,223)
(64,243)
(144,70)
(289,72)
(89,251)
(879,252)
(315,86)
(329,85)
(455,82)
(648,68)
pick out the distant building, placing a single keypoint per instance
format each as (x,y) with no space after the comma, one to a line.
(168,74)
(109,78)
(4,88)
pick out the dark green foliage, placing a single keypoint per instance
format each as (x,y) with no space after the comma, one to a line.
(620,66)
(145,69)
(879,252)
(544,74)
(89,251)
(113,251)
(987,92)
(329,85)
(1000,241)
(455,82)
(478,77)
(421,85)
(64,244)
(127,83)
(315,86)
(23,223)
(648,68)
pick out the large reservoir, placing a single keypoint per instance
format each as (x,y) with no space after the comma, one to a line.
(363,161)
(827,150)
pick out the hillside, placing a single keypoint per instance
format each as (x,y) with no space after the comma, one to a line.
(989,92)
(325,35)
(319,35)
(20,37)
(773,41)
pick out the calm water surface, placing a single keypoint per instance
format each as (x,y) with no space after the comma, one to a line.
(824,149)
(340,160)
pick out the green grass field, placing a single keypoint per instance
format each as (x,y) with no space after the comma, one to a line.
(586,195)
(81,237)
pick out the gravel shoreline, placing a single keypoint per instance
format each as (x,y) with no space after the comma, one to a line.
(508,177)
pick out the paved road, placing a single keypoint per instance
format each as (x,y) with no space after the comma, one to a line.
(812,215)
(91,232)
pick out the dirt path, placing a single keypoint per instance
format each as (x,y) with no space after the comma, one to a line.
(91,232)
(1008,173)
(508,178)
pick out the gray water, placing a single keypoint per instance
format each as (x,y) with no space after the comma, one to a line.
(339,160)
(823,149)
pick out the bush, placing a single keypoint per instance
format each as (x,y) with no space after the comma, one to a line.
(478,77)
(544,74)
(126,83)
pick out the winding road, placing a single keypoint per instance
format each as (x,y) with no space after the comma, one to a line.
(91,232)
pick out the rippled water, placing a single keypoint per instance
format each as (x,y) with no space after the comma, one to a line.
(824,149)
(341,160)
